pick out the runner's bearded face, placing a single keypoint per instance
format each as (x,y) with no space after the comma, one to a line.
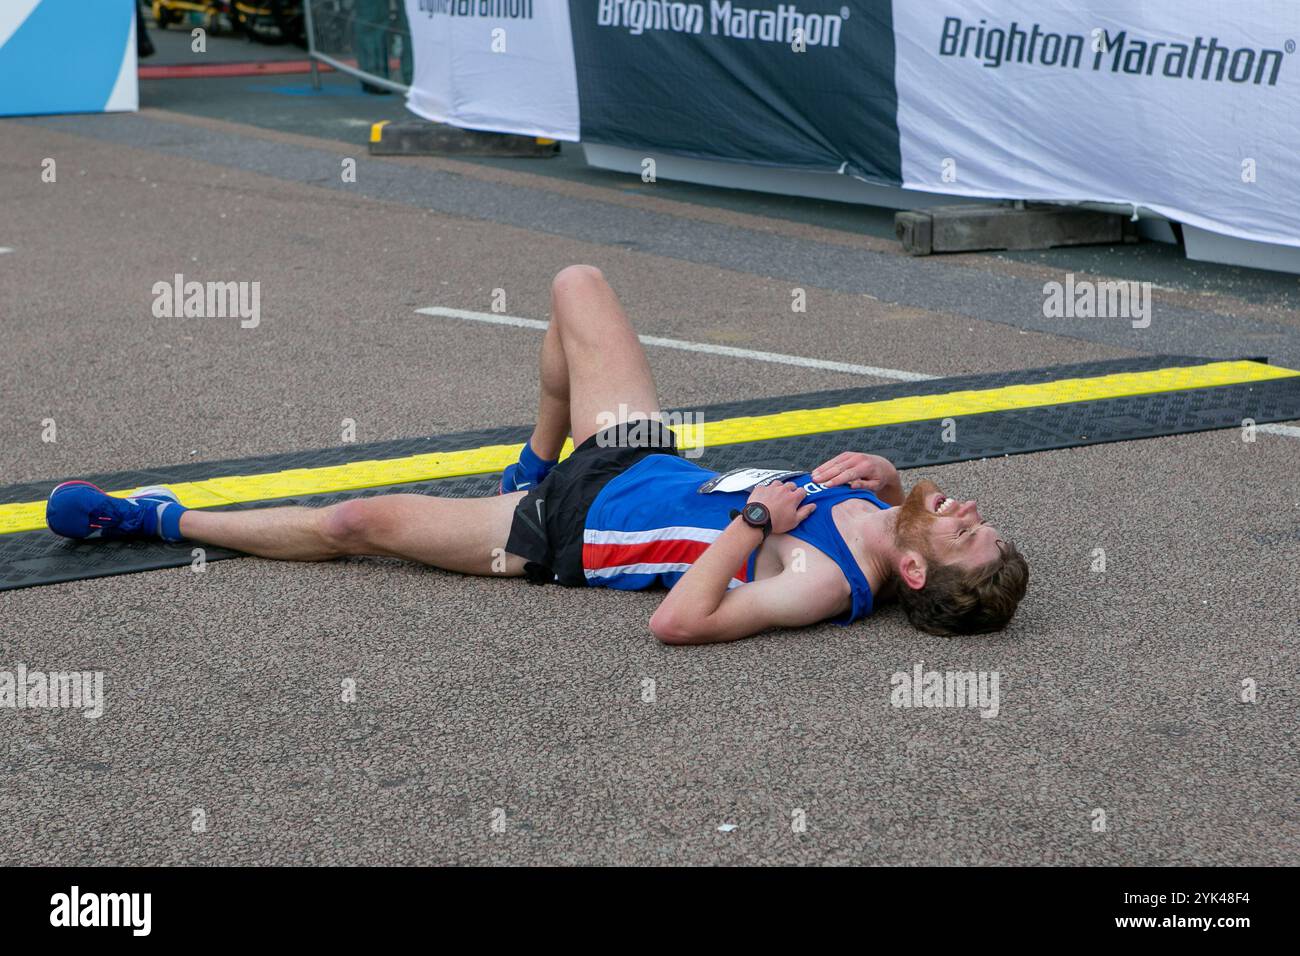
(943,529)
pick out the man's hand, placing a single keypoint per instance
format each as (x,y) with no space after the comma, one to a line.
(859,470)
(782,500)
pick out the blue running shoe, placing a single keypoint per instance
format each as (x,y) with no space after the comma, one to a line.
(79,510)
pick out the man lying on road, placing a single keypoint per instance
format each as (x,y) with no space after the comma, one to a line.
(741,555)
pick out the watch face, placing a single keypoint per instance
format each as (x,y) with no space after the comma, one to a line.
(756,512)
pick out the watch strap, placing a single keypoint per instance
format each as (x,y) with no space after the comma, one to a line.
(766,527)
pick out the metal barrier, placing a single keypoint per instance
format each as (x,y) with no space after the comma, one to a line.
(368,39)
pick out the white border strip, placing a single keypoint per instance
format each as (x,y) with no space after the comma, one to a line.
(727,350)
(1290,431)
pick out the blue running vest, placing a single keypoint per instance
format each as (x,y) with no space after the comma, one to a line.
(647,526)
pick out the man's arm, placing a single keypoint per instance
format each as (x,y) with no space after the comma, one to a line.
(700,609)
(789,599)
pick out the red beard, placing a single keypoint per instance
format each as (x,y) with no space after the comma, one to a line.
(914,517)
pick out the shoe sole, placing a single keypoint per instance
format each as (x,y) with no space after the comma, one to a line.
(155,491)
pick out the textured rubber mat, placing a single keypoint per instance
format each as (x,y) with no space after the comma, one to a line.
(38,557)
(696,429)
(193,471)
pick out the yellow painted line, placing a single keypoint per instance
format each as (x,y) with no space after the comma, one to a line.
(210,492)
(377,131)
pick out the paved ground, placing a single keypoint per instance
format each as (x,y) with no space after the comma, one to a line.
(1120,690)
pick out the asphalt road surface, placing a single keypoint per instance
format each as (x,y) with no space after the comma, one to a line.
(498,722)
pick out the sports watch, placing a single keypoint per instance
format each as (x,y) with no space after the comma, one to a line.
(756,515)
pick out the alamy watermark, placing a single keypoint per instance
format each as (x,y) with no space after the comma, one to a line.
(179,299)
(922,688)
(21,689)
(641,430)
(1085,299)
(130,910)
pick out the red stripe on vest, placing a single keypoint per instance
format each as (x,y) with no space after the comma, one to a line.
(666,551)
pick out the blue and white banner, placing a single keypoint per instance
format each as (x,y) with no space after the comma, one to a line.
(67,56)
(1186,107)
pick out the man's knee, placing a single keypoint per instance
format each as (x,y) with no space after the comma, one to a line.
(348,527)
(576,281)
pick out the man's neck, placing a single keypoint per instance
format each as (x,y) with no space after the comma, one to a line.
(876,550)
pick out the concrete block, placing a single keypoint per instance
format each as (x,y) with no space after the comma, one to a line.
(421,138)
(971,228)
(914,232)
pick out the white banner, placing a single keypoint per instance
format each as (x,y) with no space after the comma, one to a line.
(1188,107)
(499,65)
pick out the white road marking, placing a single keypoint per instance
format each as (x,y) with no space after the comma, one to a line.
(4,249)
(727,350)
(1290,431)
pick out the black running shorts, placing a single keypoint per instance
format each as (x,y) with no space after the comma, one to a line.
(550,519)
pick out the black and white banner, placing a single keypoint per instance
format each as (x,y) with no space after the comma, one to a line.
(1186,107)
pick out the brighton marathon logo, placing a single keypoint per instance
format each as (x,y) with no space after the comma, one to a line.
(785,24)
(1118,53)
(487,9)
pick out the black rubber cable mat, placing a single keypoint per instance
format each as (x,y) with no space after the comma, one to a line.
(38,557)
(401,447)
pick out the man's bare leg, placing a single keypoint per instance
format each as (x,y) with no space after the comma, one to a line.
(552,426)
(457,534)
(592,362)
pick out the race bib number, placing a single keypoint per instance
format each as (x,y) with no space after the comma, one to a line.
(744,479)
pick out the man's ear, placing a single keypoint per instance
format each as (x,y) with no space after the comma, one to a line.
(911,570)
